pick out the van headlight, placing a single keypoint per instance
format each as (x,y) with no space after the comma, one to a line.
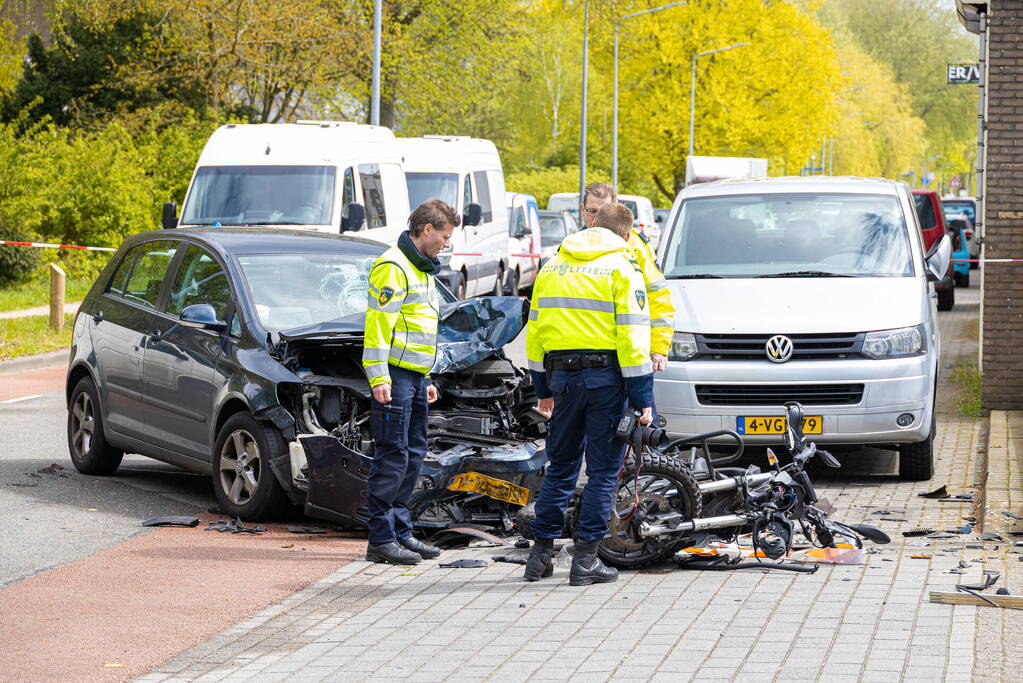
(683,346)
(900,343)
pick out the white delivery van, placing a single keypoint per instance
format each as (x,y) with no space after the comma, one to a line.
(814,290)
(564,201)
(466,173)
(524,242)
(317,175)
(642,209)
(708,169)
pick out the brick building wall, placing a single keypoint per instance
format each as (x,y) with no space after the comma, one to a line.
(1002,315)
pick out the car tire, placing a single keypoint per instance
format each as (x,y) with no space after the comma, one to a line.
(87,445)
(962,280)
(946,299)
(463,286)
(243,481)
(513,283)
(916,460)
(499,281)
(974,266)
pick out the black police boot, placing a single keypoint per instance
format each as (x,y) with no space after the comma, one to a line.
(391,553)
(427,551)
(587,567)
(540,565)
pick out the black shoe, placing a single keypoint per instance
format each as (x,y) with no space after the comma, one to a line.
(540,565)
(587,567)
(427,551)
(391,553)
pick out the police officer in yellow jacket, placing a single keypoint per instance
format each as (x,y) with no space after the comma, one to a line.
(588,345)
(662,310)
(400,348)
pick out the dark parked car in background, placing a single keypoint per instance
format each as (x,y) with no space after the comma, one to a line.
(554,227)
(932,225)
(237,353)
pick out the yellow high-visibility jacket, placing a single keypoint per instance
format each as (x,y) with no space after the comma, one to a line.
(662,309)
(591,296)
(401,317)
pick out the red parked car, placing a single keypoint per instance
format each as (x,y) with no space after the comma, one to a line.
(932,226)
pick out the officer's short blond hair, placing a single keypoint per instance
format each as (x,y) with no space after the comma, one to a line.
(615,217)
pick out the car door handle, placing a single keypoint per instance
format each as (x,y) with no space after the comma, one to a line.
(98,316)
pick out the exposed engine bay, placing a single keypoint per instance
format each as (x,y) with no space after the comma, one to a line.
(484,421)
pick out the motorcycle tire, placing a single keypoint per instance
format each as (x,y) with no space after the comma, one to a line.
(629,551)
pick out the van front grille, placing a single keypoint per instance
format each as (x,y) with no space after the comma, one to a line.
(778,394)
(753,346)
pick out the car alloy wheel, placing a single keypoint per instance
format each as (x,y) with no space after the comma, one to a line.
(83,425)
(240,467)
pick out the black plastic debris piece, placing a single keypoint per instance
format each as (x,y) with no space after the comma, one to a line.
(971,519)
(234,526)
(963,565)
(883,512)
(216,510)
(1011,514)
(725,563)
(460,537)
(965,529)
(989,537)
(939,534)
(306,530)
(510,559)
(522,543)
(893,519)
(988,579)
(975,546)
(464,563)
(172,521)
(940,492)
(917,532)
(1003,591)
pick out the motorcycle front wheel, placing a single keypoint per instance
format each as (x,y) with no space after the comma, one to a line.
(664,484)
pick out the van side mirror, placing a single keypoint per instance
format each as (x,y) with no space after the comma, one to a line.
(202,316)
(356,218)
(473,215)
(937,259)
(658,218)
(169,220)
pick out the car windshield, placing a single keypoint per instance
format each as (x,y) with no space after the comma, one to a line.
(789,235)
(961,207)
(552,230)
(261,195)
(423,186)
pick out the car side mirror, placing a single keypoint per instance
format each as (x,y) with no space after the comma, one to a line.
(202,316)
(473,215)
(658,218)
(937,259)
(356,218)
(169,220)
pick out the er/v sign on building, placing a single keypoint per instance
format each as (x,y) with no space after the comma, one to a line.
(964,73)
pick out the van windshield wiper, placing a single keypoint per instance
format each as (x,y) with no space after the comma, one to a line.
(807,273)
(694,276)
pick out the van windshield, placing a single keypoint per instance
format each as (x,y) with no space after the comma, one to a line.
(423,186)
(789,235)
(261,195)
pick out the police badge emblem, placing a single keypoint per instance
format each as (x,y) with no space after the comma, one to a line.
(386,294)
(641,298)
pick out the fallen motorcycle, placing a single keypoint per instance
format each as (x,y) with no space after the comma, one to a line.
(672,492)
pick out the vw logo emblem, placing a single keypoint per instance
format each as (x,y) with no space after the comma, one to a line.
(779,348)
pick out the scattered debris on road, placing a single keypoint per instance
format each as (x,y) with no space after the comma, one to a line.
(234,526)
(940,492)
(306,530)
(182,521)
(464,563)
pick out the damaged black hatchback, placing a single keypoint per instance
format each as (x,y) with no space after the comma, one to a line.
(236,352)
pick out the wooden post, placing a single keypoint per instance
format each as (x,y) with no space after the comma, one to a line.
(57,278)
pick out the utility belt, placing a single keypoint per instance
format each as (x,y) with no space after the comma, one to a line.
(578,360)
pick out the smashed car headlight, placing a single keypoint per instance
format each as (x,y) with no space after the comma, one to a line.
(683,346)
(900,343)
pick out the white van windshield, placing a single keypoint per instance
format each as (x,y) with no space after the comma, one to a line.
(789,235)
(261,195)
(423,186)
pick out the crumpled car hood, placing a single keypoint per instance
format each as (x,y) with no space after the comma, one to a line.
(468,331)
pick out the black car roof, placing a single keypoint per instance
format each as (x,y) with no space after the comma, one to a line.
(269,241)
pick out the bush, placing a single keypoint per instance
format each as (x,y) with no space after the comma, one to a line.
(543,182)
(16,263)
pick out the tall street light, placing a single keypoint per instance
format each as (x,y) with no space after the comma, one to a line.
(692,92)
(374,102)
(582,122)
(614,137)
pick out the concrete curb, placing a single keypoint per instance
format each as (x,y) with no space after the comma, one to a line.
(43,360)
(1004,476)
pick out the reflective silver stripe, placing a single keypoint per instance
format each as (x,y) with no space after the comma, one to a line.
(414,357)
(534,314)
(424,338)
(658,284)
(536,365)
(374,371)
(577,303)
(662,322)
(379,355)
(637,370)
(392,307)
(632,319)
(398,294)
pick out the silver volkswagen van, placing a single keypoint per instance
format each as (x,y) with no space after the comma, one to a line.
(814,290)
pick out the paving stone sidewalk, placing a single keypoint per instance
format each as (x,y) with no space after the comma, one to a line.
(871,622)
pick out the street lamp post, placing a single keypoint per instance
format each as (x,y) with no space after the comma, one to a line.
(692,91)
(374,102)
(582,126)
(614,136)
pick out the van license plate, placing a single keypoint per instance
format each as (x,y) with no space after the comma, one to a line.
(498,489)
(775,424)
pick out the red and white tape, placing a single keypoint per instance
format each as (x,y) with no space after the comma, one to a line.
(987,260)
(43,245)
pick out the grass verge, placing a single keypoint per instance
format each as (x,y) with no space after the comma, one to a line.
(37,293)
(968,375)
(32,335)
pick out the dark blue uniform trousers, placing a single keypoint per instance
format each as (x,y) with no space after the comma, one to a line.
(587,406)
(399,433)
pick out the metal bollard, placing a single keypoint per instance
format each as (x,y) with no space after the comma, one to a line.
(57,279)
